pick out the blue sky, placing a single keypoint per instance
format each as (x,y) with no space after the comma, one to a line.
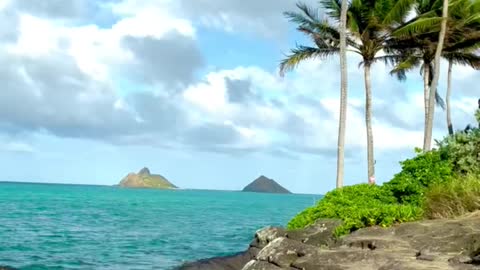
(93,90)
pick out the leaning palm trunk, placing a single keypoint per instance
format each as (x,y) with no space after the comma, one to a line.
(426,94)
(431,102)
(449,93)
(343,94)
(368,121)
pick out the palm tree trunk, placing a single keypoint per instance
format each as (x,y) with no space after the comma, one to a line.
(343,95)
(426,94)
(368,121)
(449,93)
(426,89)
(431,102)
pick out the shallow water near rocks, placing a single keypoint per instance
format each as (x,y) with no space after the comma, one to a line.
(46,226)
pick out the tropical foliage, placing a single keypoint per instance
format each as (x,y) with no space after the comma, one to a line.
(413,42)
(369,25)
(358,206)
(417,174)
(404,34)
(444,182)
(463,150)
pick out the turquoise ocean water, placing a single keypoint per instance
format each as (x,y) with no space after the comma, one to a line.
(44,226)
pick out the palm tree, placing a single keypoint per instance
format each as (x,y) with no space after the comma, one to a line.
(343,94)
(417,42)
(369,24)
(324,48)
(438,54)
(464,25)
(447,97)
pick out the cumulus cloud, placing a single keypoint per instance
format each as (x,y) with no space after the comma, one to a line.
(170,61)
(142,80)
(16,147)
(263,18)
(51,93)
(260,17)
(54,8)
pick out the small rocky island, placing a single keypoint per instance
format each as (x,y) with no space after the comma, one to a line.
(265,185)
(144,179)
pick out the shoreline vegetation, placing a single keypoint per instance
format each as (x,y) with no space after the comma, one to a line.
(443,182)
(428,215)
(434,195)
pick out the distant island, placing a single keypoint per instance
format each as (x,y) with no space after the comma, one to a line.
(265,185)
(144,179)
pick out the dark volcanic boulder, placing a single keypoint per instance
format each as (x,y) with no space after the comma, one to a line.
(237,261)
(233,262)
(265,185)
(434,244)
(424,245)
(318,234)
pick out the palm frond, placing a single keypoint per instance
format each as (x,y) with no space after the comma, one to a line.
(398,12)
(332,8)
(302,53)
(309,12)
(389,60)
(470,44)
(420,26)
(464,58)
(439,101)
(402,68)
(472,19)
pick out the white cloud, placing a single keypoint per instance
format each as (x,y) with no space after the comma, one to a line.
(4,4)
(37,37)
(208,95)
(17,147)
(247,107)
(154,22)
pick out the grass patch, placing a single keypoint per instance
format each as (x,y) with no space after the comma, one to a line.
(454,198)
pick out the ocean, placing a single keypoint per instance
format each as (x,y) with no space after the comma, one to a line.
(52,226)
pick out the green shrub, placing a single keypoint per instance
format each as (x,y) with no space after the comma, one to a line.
(432,185)
(459,196)
(357,206)
(463,149)
(418,173)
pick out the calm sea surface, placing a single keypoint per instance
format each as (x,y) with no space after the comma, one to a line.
(44,226)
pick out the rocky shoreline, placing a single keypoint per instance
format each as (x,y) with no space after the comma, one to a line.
(432,244)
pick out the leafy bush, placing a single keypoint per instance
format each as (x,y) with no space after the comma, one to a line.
(432,185)
(357,206)
(463,149)
(417,174)
(453,198)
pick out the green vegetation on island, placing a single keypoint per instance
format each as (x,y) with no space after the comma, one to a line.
(265,185)
(143,179)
